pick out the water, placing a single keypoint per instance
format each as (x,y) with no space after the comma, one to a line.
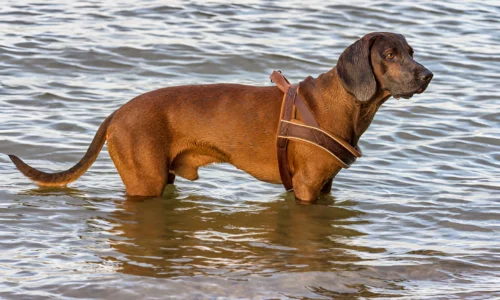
(417,217)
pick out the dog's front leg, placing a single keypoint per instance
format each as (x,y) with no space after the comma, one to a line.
(310,175)
(306,186)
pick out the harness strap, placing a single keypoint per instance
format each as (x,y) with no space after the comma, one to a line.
(286,113)
(343,152)
(280,81)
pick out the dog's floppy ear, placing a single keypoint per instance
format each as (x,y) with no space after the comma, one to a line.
(355,69)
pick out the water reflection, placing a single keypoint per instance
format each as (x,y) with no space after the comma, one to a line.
(194,241)
(255,246)
(54,191)
(200,236)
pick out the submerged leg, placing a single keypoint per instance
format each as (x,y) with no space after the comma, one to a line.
(305,189)
(142,166)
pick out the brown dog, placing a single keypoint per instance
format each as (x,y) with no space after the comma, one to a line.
(174,131)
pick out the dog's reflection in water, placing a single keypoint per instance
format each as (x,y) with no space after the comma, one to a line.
(197,235)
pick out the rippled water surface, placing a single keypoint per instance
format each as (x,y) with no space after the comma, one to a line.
(416,217)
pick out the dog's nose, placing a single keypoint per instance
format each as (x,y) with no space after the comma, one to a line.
(426,76)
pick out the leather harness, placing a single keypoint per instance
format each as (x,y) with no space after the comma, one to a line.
(290,128)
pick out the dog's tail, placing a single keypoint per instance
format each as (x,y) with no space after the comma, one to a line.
(65,177)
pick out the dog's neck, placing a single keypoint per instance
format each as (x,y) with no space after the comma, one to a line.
(336,110)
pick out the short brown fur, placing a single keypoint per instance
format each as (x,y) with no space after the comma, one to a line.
(176,130)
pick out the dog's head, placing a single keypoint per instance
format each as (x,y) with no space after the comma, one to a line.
(382,61)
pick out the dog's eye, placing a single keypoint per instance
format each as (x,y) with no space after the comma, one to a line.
(390,55)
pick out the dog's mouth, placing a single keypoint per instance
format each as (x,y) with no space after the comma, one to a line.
(420,90)
(405,96)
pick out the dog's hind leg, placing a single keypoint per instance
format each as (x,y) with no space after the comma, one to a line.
(143,165)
